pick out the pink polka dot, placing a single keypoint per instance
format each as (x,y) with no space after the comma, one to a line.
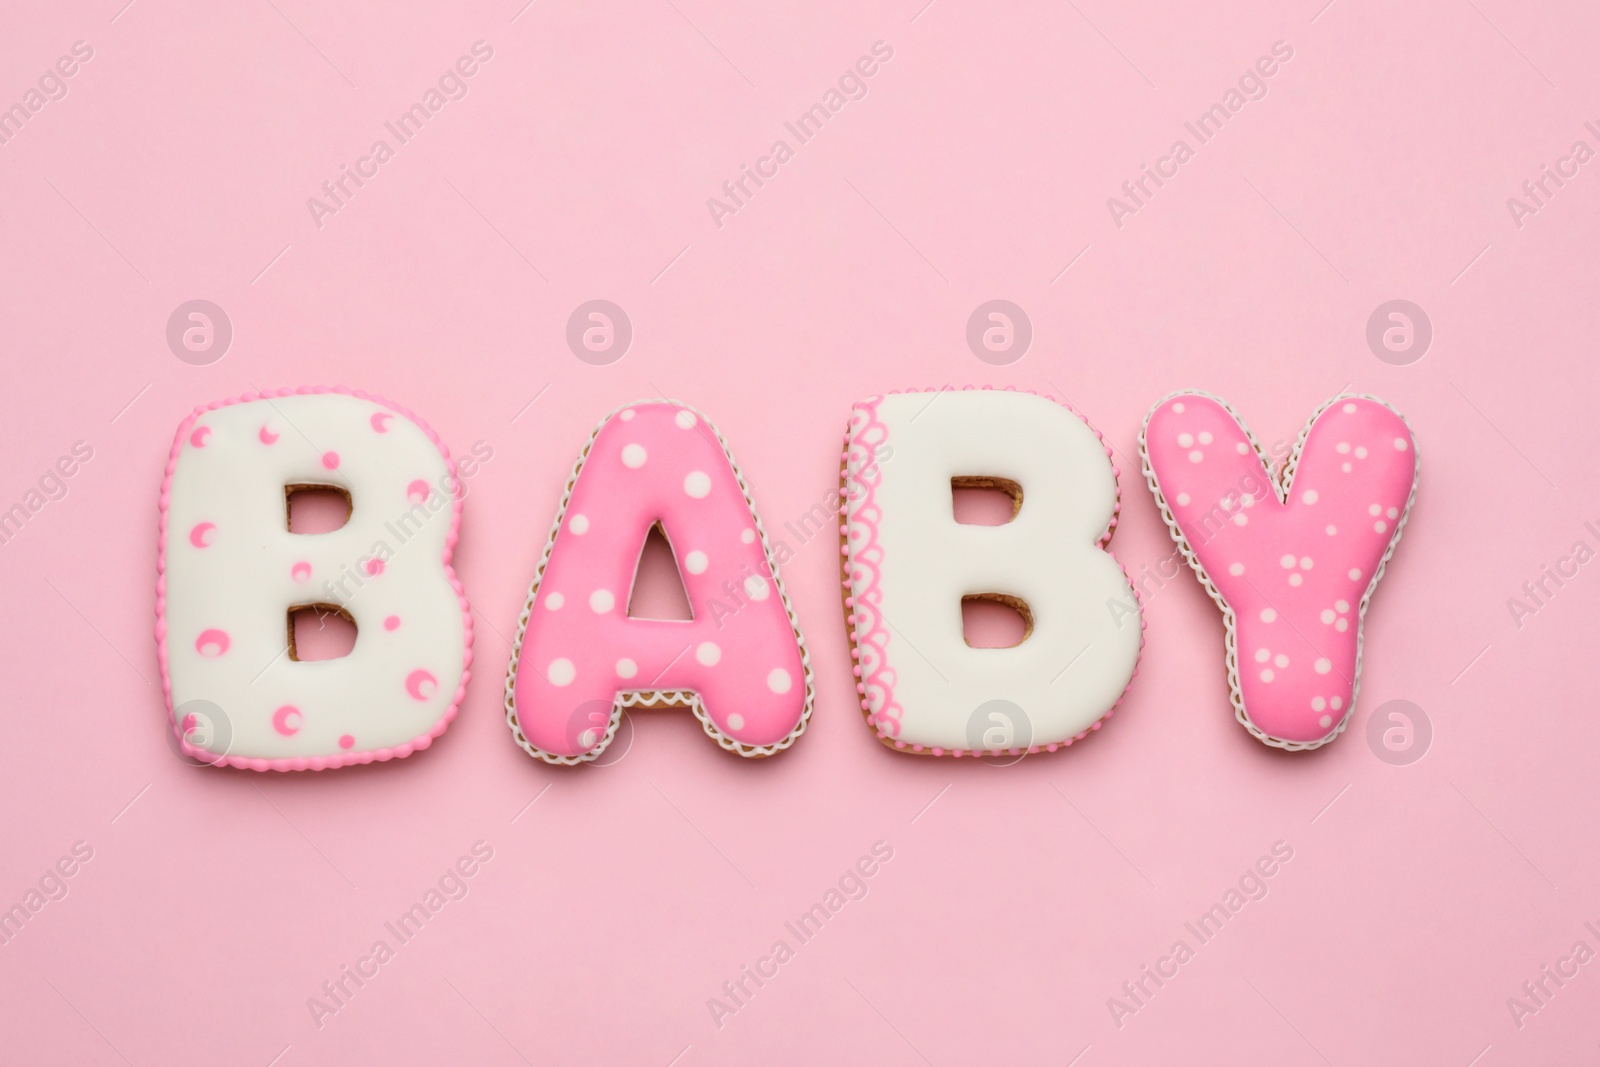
(347,741)
(281,723)
(374,567)
(418,490)
(421,684)
(213,639)
(392,622)
(330,460)
(300,571)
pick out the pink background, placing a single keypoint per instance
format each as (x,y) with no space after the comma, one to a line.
(1018,900)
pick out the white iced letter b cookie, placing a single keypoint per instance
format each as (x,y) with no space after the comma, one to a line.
(908,564)
(231,574)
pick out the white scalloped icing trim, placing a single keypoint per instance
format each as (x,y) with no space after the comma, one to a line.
(1282,482)
(654,697)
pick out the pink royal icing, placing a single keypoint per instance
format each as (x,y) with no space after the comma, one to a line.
(1292,557)
(740,663)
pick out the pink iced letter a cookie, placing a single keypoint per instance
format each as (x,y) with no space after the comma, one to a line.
(231,571)
(1291,556)
(739,663)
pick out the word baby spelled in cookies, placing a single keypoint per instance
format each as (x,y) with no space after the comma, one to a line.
(1291,553)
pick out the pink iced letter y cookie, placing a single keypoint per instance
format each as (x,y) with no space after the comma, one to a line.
(579,660)
(1291,556)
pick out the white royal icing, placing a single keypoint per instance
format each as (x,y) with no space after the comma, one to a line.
(909,563)
(232,571)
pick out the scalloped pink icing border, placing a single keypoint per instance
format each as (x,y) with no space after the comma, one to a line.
(1104,542)
(314,763)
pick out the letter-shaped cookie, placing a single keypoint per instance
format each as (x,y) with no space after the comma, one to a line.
(908,564)
(1291,557)
(579,660)
(231,572)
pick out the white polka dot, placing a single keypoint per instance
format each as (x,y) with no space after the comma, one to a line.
(1326,721)
(748,537)
(626,415)
(1355,574)
(1236,569)
(1345,467)
(1342,625)
(1401,444)
(1393,513)
(626,668)
(1295,579)
(601,601)
(579,524)
(1196,456)
(1349,409)
(633,455)
(1380,526)
(1309,496)
(1185,440)
(1262,655)
(697,484)
(1242,447)
(1342,605)
(708,654)
(1332,529)
(1280,661)
(1327,616)
(1269,615)
(1240,519)
(684,419)
(1342,447)
(1287,561)
(1361,452)
(1178,407)
(1267,675)
(736,721)
(695,562)
(1336,703)
(1317,703)
(778,680)
(1183,500)
(1374,509)
(1322,666)
(1305,563)
(554,601)
(1205,437)
(756,588)
(561,672)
